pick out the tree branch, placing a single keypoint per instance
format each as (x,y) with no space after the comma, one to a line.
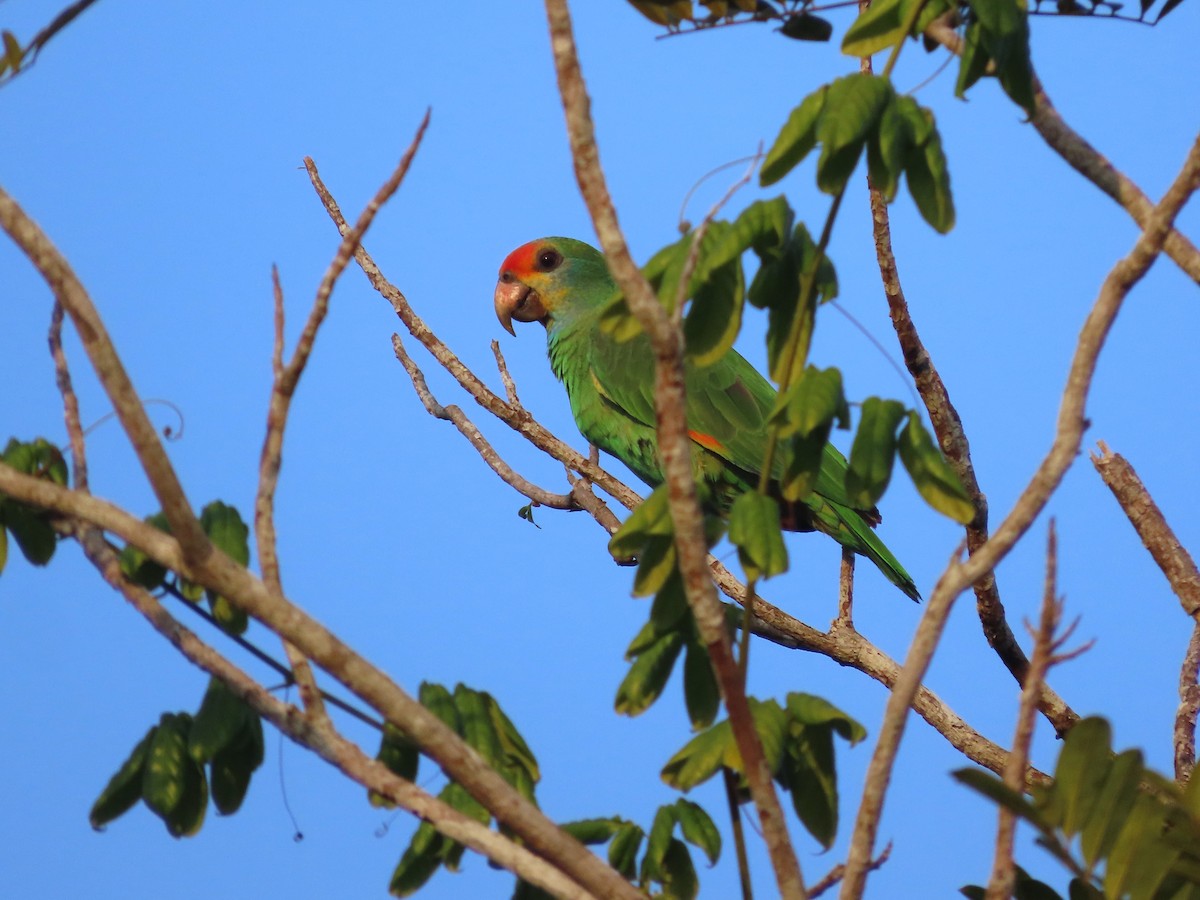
(1150,524)
(960,575)
(1000,886)
(952,439)
(318,734)
(674,447)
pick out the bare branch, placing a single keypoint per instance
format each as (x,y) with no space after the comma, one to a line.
(1189,709)
(476,439)
(62,377)
(960,575)
(510,386)
(1150,524)
(1000,886)
(837,872)
(674,446)
(516,418)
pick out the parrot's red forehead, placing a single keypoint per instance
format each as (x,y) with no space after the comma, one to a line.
(520,261)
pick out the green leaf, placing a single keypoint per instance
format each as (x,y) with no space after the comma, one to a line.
(138,567)
(679,875)
(795,140)
(648,675)
(31,530)
(399,755)
(809,772)
(651,517)
(622,852)
(996,790)
(1003,18)
(880,25)
(771,723)
(812,402)
(935,481)
(873,452)
(1081,772)
(656,845)
(13,54)
(698,828)
(802,463)
(670,605)
(851,114)
(232,767)
(188,817)
(419,862)
(714,319)
(124,789)
(435,698)
(225,528)
(656,564)
(218,723)
(3,539)
(164,777)
(593,831)
(516,751)
(973,64)
(1139,860)
(700,691)
(764,225)
(701,757)
(1112,806)
(455,795)
(755,530)
(807,27)
(929,181)
(810,709)
(477,727)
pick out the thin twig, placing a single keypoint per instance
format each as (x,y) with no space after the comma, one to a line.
(1000,886)
(834,875)
(845,616)
(510,386)
(1150,524)
(739,833)
(476,439)
(62,377)
(960,575)
(674,446)
(1189,709)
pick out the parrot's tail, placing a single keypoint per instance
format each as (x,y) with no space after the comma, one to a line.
(850,529)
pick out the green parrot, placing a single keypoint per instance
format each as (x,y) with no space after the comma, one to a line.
(565,284)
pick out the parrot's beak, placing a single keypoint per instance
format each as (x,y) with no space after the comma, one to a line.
(515,300)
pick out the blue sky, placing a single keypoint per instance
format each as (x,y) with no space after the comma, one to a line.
(160,146)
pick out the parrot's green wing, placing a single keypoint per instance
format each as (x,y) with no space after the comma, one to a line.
(728,403)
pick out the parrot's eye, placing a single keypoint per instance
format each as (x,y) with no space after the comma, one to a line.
(548,260)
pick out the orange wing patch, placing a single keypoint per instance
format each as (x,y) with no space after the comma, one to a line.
(707,441)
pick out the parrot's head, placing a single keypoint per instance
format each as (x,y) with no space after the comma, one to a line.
(551,280)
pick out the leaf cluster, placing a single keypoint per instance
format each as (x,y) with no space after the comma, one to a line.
(225,528)
(1141,829)
(478,719)
(185,758)
(798,742)
(666,861)
(31,528)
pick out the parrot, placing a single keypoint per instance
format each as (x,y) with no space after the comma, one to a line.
(565,284)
